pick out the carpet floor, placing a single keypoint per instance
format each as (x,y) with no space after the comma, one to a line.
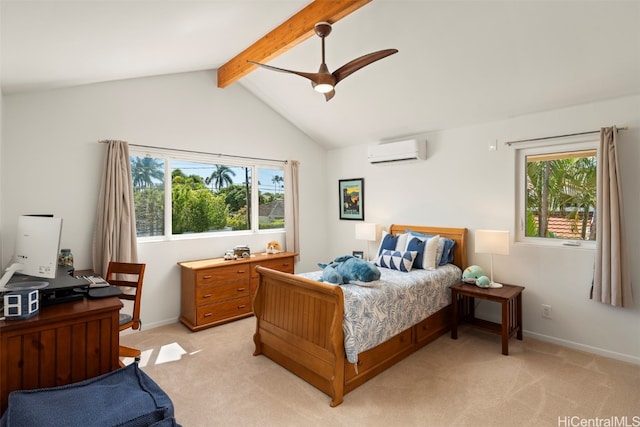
(213,379)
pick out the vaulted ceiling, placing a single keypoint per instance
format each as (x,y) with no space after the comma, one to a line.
(459,62)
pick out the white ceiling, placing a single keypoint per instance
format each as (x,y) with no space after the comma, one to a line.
(459,62)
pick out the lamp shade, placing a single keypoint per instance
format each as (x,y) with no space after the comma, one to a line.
(492,242)
(366,231)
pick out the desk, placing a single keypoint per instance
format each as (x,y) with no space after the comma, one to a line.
(62,344)
(510,298)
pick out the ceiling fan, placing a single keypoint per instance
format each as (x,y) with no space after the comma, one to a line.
(323,81)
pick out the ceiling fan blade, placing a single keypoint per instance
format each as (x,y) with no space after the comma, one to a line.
(329,95)
(352,66)
(314,77)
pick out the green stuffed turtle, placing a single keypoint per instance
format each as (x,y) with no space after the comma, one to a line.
(471,274)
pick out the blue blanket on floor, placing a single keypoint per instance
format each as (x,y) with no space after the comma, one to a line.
(125,397)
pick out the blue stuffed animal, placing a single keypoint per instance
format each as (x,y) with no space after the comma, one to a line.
(347,268)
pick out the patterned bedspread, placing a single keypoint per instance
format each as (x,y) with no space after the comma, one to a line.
(376,312)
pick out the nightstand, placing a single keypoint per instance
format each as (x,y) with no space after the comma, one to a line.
(463,297)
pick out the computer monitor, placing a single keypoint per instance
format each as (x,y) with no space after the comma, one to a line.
(37,247)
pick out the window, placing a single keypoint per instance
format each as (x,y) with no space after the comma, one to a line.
(557,193)
(205,194)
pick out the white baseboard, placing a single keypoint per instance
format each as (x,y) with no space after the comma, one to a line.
(582,347)
(161,323)
(146,326)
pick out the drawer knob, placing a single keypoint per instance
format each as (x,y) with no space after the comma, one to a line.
(242,306)
(208,314)
(240,289)
(208,276)
(240,271)
(206,296)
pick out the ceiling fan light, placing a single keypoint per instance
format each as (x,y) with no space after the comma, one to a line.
(323,87)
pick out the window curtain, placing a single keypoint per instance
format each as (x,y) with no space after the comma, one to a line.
(114,237)
(611,280)
(291,209)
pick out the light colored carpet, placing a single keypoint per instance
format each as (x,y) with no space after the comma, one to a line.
(213,379)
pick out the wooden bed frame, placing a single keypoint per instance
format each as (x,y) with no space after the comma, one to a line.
(299,326)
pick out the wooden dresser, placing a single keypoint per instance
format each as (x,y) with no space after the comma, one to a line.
(216,291)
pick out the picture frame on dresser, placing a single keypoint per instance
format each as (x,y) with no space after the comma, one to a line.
(351,198)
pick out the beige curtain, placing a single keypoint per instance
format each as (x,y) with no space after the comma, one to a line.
(114,238)
(291,209)
(611,280)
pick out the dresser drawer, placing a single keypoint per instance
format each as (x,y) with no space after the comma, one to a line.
(217,293)
(280,264)
(369,360)
(223,310)
(432,327)
(222,274)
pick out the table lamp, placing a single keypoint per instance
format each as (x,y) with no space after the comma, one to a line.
(366,231)
(494,242)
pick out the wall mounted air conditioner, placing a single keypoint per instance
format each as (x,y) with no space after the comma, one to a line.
(398,151)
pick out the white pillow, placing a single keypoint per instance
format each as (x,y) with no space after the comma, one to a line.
(401,243)
(430,250)
(441,243)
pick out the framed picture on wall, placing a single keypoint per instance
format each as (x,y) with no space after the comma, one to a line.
(351,198)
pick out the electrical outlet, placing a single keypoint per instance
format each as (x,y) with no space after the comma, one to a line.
(546,311)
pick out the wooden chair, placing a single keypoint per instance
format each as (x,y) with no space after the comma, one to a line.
(128,277)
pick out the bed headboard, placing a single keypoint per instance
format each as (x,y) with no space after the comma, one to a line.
(457,234)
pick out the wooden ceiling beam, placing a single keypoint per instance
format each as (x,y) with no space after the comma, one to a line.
(288,34)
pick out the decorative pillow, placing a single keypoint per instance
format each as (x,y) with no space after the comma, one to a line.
(396,260)
(418,245)
(401,243)
(445,247)
(427,250)
(393,243)
(388,242)
(441,243)
(447,254)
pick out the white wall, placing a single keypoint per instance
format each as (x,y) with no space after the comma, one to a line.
(463,184)
(51,162)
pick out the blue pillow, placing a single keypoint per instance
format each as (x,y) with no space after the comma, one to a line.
(421,236)
(427,249)
(388,243)
(447,255)
(396,260)
(417,245)
(445,246)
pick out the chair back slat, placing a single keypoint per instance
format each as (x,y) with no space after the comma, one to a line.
(128,277)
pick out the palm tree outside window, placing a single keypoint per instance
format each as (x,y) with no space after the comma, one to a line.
(557,193)
(204,197)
